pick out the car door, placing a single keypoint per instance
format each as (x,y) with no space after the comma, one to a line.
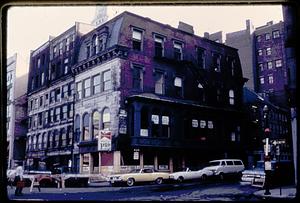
(230,167)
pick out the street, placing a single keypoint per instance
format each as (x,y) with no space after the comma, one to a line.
(225,191)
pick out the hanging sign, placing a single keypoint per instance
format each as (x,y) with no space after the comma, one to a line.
(165,120)
(104,143)
(195,123)
(155,119)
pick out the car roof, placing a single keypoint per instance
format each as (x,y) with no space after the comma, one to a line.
(226,160)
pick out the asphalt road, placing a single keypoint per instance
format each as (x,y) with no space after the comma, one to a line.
(224,191)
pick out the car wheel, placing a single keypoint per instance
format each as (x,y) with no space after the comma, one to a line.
(221,175)
(204,177)
(180,179)
(159,181)
(130,182)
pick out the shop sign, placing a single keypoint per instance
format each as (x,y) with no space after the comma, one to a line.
(104,143)
(195,123)
(210,124)
(155,119)
(163,167)
(165,120)
(136,154)
(268,166)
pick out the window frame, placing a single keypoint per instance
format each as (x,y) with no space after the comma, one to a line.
(137,44)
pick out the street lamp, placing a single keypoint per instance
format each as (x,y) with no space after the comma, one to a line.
(267,156)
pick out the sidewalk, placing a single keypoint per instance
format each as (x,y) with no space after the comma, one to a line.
(287,192)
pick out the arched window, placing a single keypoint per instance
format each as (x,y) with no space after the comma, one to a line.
(50,140)
(231,97)
(29,143)
(96,119)
(77,128)
(85,127)
(34,142)
(70,135)
(40,141)
(106,119)
(94,45)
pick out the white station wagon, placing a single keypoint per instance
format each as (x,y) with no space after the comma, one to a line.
(188,174)
(226,166)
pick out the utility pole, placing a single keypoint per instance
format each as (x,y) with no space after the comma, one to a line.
(268,166)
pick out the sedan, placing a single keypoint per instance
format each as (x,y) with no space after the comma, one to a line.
(141,175)
(188,174)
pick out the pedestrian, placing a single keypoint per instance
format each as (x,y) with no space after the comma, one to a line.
(19,181)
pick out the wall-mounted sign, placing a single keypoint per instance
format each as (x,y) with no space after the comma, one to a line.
(144,132)
(155,119)
(104,143)
(210,124)
(195,123)
(165,120)
(202,124)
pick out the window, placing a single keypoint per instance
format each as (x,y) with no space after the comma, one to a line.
(268,36)
(270,79)
(63,137)
(261,66)
(262,80)
(270,65)
(53,71)
(38,63)
(85,125)
(231,97)
(201,57)
(60,48)
(96,120)
(41,101)
(46,117)
(106,119)
(35,103)
(54,51)
(51,115)
(137,39)
(276,34)
(155,120)
(87,87)
(233,137)
(106,80)
(64,91)
(258,38)
(278,63)
(70,135)
(159,83)
(87,51)
(52,96)
(178,86)
(67,44)
(259,52)
(40,119)
(178,51)
(34,142)
(77,128)
(137,76)
(79,90)
(46,99)
(159,46)
(57,114)
(96,84)
(66,68)
(42,78)
(165,121)
(218,95)
(268,51)
(45,140)
(144,122)
(216,63)
(65,112)
(32,83)
(56,138)
(40,141)
(71,89)
(71,110)
(57,95)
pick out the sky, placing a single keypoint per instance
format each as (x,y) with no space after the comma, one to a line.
(30,27)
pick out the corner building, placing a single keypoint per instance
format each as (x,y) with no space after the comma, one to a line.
(148,94)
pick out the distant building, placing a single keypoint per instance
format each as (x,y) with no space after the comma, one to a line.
(50,100)
(279,124)
(271,65)
(243,41)
(10,107)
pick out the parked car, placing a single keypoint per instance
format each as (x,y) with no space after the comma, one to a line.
(224,167)
(140,175)
(281,173)
(188,174)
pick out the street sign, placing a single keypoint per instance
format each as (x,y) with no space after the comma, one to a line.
(276,142)
(104,143)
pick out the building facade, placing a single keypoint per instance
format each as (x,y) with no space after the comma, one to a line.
(271,62)
(10,107)
(50,100)
(148,94)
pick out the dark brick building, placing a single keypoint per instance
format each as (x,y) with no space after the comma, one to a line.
(150,94)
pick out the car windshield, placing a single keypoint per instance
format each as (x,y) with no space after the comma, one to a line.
(214,163)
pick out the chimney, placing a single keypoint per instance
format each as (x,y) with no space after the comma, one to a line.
(206,35)
(186,27)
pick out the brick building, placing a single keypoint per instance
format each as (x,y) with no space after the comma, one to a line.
(148,94)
